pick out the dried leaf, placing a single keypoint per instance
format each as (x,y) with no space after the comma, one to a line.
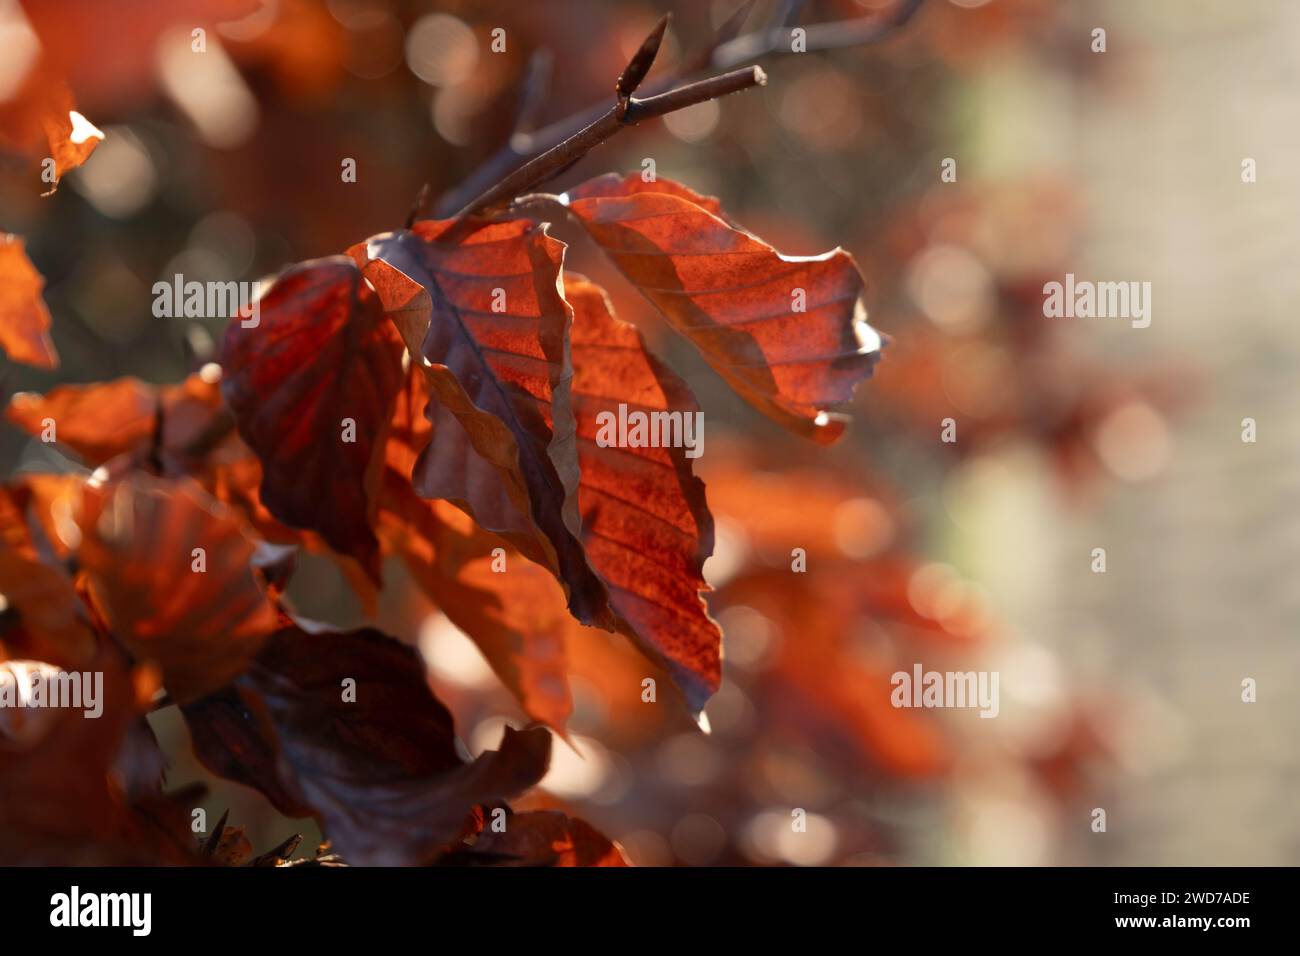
(516,616)
(71,137)
(788,333)
(169,569)
(375,761)
(64,801)
(646,523)
(24,319)
(34,581)
(312,387)
(479,307)
(99,422)
(41,121)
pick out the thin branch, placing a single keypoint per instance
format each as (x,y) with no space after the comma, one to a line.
(563,155)
(537,77)
(724,55)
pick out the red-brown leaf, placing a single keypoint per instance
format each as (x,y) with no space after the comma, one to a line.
(98,421)
(321,353)
(170,428)
(517,617)
(138,550)
(734,297)
(35,582)
(69,799)
(646,524)
(24,319)
(381,772)
(503,376)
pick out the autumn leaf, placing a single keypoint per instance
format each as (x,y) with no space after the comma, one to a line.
(100,421)
(168,567)
(233,476)
(180,430)
(788,333)
(40,121)
(69,800)
(24,319)
(34,581)
(361,741)
(233,737)
(517,617)
(546,838)
(646,524)
(312,386)
(516,613)
(71,137)
(479,307)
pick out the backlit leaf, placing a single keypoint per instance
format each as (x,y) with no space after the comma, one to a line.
(312,387)
(480,309)
(788,333)
(169,569)
(24,319)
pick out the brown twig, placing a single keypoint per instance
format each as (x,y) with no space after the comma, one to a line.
(565,154)
(727,52)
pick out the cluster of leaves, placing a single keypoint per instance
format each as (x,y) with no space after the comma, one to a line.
(430,396)
(349,446)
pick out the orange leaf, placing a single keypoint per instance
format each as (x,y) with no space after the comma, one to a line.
(169,569)
(517,617)
(646,524)
(71,137)
(40,120)
(34,581)
(80,794)
(101,421)
(24,319)
(479,307)
(788,333)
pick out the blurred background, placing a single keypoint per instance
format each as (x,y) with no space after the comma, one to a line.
(1119,690)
